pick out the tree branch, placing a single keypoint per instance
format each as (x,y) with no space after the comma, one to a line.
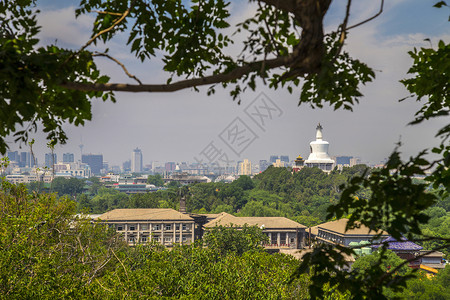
(183,84)
(119,63)
(369,19)
(106,12)
(124,15)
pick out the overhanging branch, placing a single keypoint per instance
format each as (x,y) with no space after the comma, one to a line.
(182,84)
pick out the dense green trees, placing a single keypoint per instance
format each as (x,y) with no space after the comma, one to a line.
(232,240)
(303,196)
(46,252)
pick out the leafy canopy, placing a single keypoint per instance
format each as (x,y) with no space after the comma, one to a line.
(285,42)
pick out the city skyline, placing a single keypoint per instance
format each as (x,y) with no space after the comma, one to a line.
(178,126)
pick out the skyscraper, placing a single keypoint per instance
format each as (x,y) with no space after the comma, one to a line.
(49,160)
(284,158)
(95,161)
(273,158)
(245,167)
(68,158)
(136,161)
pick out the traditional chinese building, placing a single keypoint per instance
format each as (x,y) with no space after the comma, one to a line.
(299,163)
(283,233)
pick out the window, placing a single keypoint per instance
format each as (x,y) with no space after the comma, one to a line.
(177,239)
(283,238)
(144,226)
(156,227)
(186,227)
(132,227)
(167,239)
(131,239)
(156,238)
(184,239)
(168,227)
(177,227)
(144,239)
(292,240)
(120,228)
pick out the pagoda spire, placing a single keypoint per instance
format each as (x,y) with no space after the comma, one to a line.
(319,135)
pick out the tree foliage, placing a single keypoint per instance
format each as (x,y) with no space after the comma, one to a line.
(285,43)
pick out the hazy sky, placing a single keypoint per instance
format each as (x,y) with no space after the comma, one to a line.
(179,126)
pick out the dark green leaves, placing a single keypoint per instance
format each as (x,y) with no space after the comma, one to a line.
(395,204)
(431,81)
(339,80)
(30,91)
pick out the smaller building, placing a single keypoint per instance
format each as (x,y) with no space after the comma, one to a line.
(185,178)
(334,233)
(404,249)
(299,164)
(282,232)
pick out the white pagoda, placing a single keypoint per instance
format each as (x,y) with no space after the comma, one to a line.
(319,153)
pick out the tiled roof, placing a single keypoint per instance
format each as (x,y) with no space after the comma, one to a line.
(339,227)
(144,214)
(403,244)
(268,222)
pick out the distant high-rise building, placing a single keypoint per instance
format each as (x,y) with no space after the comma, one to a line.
(136,161)
(284,158)
(263,165)
(13,156)
(95,161)
(50,160)
(273,158)
(170,166)
(126,166)
(68,158)
(25,160)
(245,167)
(279,164)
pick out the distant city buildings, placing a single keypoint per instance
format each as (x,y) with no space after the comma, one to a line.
(50,160)
(170,166)
(21,160)
(279,164)
(68,158)
(245,168)
(263,165)
(136,161)
(95,161)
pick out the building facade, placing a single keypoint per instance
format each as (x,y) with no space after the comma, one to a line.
(334,233)
(281,232)
(245,167)
(68,158)
(136,161)
(95,162)
(50,160)
(142,225)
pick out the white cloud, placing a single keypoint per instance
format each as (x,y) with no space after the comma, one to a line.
(61,25)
